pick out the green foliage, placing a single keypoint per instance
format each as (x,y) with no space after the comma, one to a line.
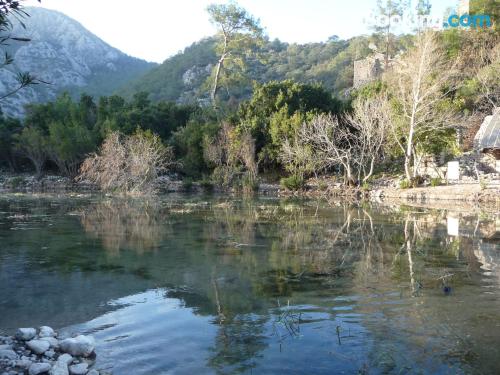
(188,146)
(184,76)
(293,182)
(404,184)
(436,181)
(238,38)
(8,129)
(277,109)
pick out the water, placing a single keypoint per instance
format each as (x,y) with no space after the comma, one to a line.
(200,285)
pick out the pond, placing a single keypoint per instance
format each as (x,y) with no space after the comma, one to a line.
(209,285)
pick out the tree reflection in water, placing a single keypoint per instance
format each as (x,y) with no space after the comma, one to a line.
(243,256)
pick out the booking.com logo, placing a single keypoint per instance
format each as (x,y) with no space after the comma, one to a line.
(468,20)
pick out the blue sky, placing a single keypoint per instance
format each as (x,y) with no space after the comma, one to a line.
(156,29)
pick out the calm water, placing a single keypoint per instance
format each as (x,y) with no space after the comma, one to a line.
(199,285)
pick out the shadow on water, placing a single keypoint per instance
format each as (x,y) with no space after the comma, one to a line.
(238,286)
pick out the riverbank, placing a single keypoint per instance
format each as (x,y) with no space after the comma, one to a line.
(467,195)
(31,351)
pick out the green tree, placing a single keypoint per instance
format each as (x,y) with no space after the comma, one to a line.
(277,109)
(9,127)
(238,36)
(32,143)
(387,10)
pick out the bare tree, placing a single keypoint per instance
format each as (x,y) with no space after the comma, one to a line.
(128,164)
(370,121)
(423,80)
(231,152)
(354,144)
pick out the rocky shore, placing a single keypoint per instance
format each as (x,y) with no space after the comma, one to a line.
(33,352)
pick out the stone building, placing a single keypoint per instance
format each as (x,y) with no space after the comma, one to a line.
(368,69)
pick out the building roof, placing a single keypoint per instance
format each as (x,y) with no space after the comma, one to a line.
(488,136)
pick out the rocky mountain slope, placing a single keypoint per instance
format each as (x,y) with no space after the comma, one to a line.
(67,56)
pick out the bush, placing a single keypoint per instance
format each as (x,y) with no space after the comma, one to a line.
(128,164)
(187,183)
(436,181)
(404,184)
(293,182)
(249,183)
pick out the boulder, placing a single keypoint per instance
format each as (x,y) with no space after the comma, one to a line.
(8,354)
(79,369)
(38,346)
(46,331)
(78,346)
(25,334)
(39,368)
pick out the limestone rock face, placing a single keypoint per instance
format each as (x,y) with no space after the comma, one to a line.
(66,55)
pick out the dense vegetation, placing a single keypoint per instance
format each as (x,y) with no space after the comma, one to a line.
(296,121)
(182,78)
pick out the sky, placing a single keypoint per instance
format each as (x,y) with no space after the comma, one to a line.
(157,29)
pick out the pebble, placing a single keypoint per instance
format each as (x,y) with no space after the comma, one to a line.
(23,363)
(38,346)
(8,354)
(78,346)
(45,354)
(25,334)
(79,369)
(54,343)
(46,331)
(39,368)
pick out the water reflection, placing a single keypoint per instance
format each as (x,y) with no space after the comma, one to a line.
(259,286)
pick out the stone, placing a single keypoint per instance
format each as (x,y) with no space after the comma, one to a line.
(65,358)
(25,334)
(78,346)
(54,343)
(79,369)
(93,372)
(39,368)
(23,363)
(46,331)
(8,354)
(6,347)
(38,346)
(49,353)
(59,368)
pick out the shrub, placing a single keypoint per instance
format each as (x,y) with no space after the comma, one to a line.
(15,182)
(436,181)
(404,184)
(249,183)
(128,164)
(187,183)
(293,182)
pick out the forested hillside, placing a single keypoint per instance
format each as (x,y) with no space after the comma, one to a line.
(182,78)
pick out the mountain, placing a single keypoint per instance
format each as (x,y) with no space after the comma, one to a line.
(182,78)
(67,56)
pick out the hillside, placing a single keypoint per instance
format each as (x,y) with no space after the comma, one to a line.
(67,56)
(181,78)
